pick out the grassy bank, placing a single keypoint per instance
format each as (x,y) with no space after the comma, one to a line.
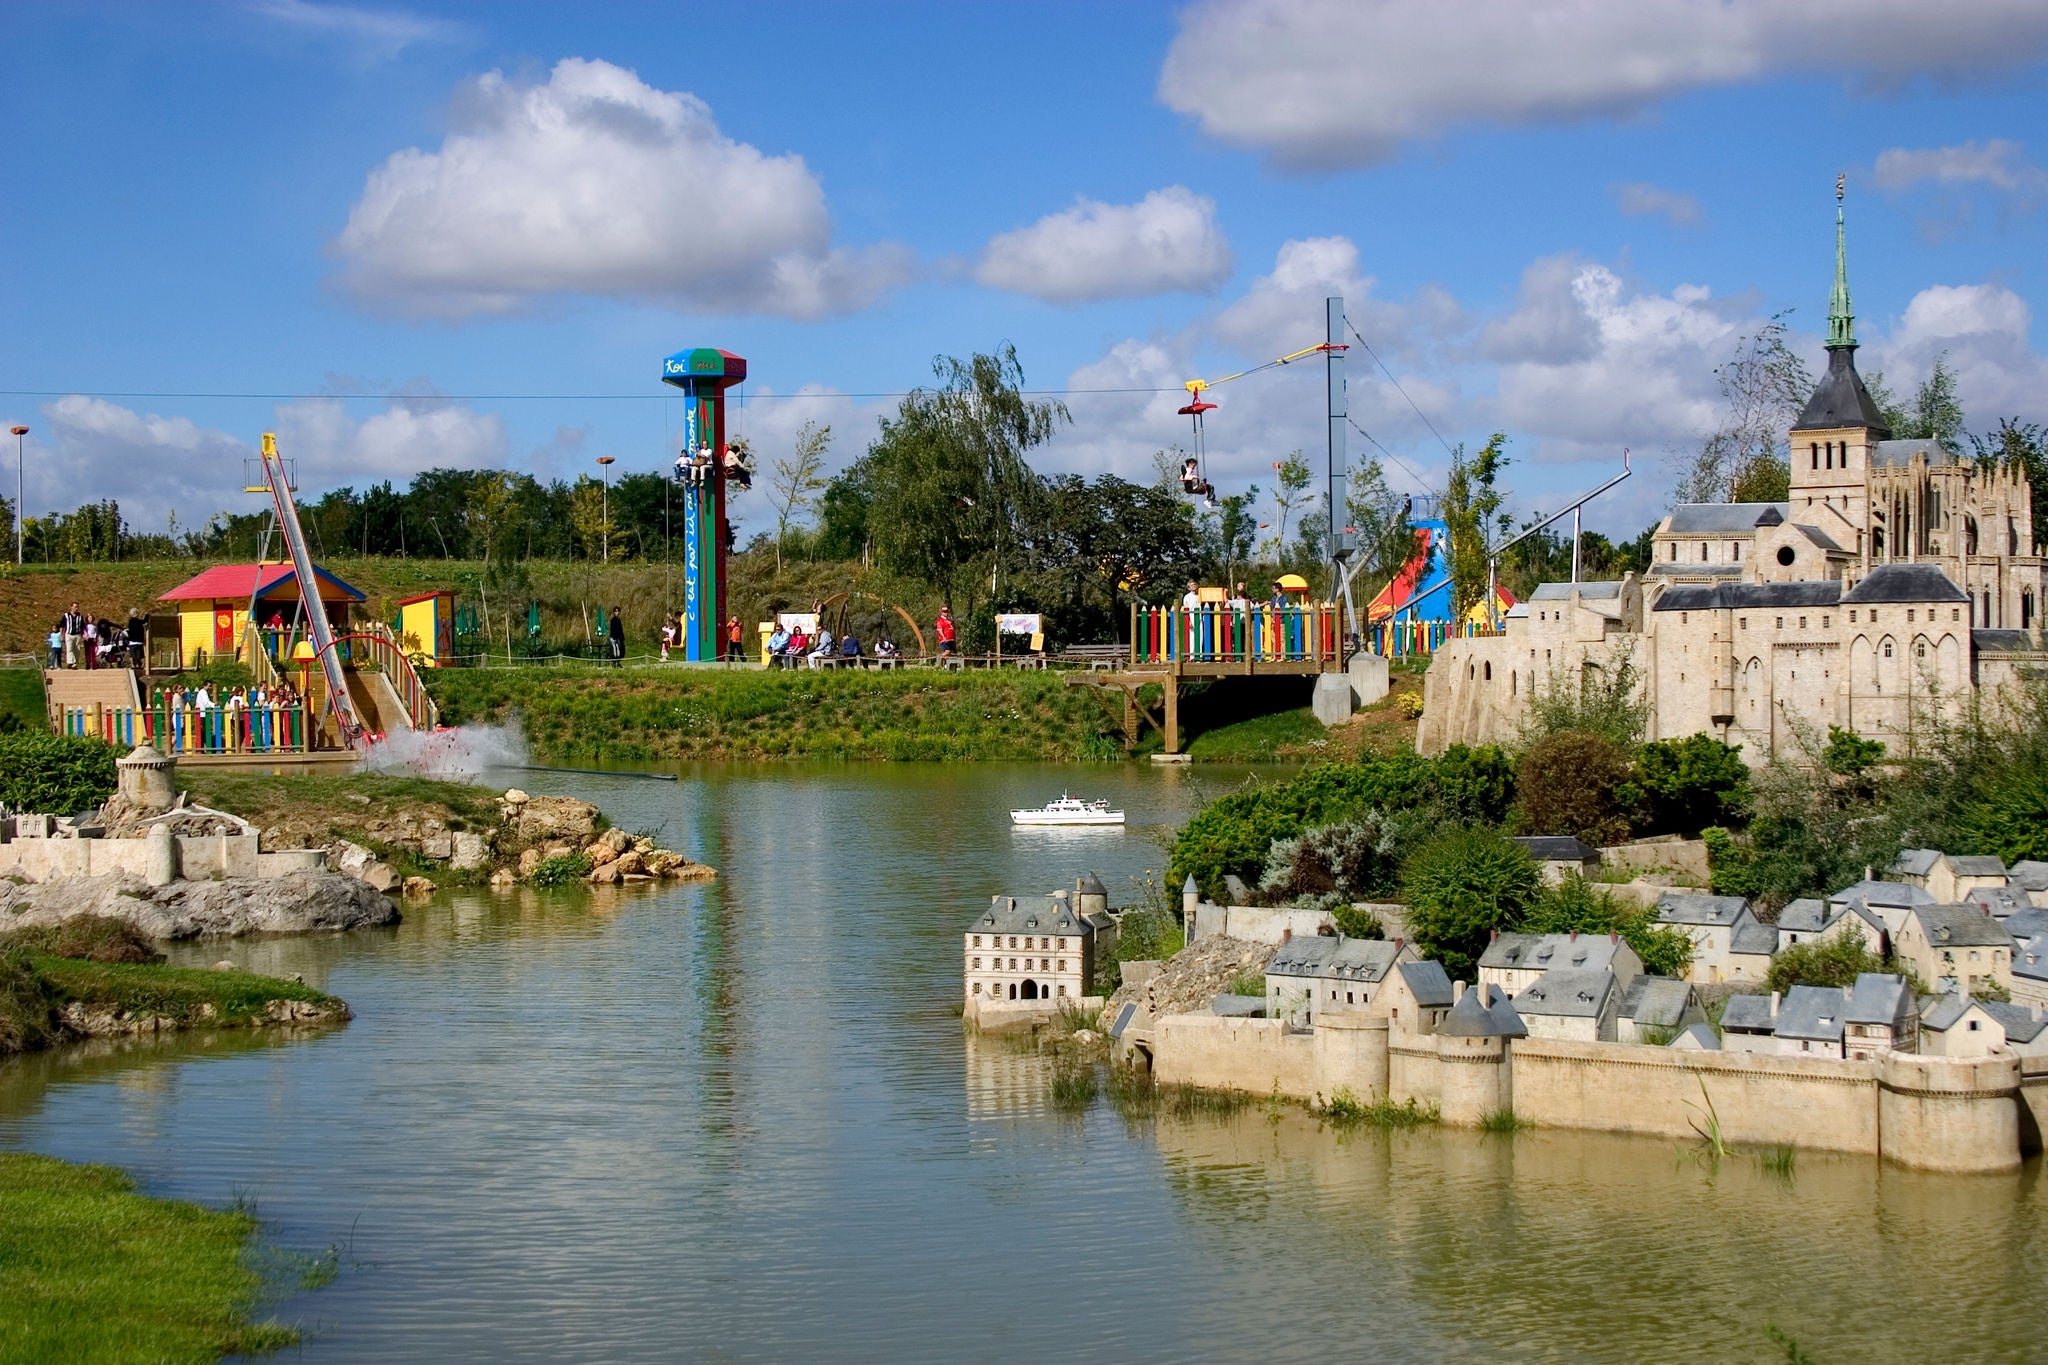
(589,713)
(21,699)
(98,975)
(328,806)
(90,1270)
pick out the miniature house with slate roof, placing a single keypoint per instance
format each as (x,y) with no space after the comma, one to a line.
(1037,951)
(1898,579)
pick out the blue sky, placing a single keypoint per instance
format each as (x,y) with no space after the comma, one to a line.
(443,233)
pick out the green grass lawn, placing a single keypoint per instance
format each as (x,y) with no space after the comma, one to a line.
(21,697)
(338,798)
(1284,734)
(90,1270)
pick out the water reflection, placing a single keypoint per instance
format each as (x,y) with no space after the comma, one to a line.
(740,1120)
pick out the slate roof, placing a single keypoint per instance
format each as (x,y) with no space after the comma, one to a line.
(1754,938)
(1946,1012)
(1915,862)
(1557,848)
(1960,926)
(1905,583)
(1660,1001)
(1975,865)
(2030,874)
(1818,537)
(1361,959)
(1428,983)
(1878,998)
(1898,453)
(2030,958)
(1667,569)
(2031,922)
(1811,1014)
(2021,1024)
(1563,991)
(2003,642)
(1726,518)
(1546,952)
(1697,1036)
(1562,592)
(1679,907)
(1302,955)
(1807,916)
(1840,400)
(1032,915)
(1230,1005)
(1749,596)
(1091,885)
(1469,1018)
(2002,901)
(1877,891)
(1747,1014)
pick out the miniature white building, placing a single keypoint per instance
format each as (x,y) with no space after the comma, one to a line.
(1037,950)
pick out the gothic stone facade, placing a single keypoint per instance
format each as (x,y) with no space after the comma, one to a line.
(1899,582)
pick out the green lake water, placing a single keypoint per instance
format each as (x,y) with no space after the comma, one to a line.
(740,1122)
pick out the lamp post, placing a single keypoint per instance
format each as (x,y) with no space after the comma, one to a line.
(19,464)
(604,506)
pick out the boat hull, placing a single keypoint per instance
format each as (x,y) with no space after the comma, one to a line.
(1033,817)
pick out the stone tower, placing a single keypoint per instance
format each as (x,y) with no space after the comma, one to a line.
(1831,444)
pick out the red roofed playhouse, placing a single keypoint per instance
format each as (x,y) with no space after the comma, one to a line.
(213,610)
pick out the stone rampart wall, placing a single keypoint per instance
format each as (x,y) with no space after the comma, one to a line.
(1933,1113)
(200,858)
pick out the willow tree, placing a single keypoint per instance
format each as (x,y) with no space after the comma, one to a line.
(947,473)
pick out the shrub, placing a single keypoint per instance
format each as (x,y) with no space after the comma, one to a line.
(1409,704)
(93,938)
(2010,819)
(1462,886)
(28,1005)
(559,870)
(1575,904)
(1834,961)
(1691,783)
(1360,858)
(1566,784)
(1608,699)
(1472,786)
(55,774)
(1353,922)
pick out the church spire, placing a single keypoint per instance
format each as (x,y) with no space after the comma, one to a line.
(1841,314)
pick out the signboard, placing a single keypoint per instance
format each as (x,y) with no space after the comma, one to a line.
(1018,623)
(806,621)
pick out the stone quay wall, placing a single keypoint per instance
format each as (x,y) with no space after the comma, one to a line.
(1931,1113)
(199,858)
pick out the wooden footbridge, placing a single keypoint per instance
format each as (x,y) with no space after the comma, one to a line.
(1170,645)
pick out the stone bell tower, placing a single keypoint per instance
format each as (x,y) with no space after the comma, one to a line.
(1835,436)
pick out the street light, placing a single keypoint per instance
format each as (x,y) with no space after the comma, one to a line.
(19,461)
(604,506)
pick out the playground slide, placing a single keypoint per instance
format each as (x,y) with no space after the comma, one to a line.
(376,703)
(276,476)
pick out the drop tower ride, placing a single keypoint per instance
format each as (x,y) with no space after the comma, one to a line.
(703,374)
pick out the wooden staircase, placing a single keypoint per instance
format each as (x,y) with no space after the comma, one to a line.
(112,688)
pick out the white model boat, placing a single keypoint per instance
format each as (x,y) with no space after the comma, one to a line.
(1069,810)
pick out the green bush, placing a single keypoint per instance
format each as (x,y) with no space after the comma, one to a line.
(55,774)
(1833,961)
(1359,859)
(1691,783)
(1353,922)
(1576,904)
(90,938)
(28,1005)
(1234,833)
(2011,819)
(1566,784)
(1462,886)
(559,870)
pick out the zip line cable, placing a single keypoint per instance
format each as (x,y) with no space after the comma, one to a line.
(537,397)
(1398,389)
(1406,468)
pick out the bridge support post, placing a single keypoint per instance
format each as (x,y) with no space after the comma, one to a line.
(1171,687)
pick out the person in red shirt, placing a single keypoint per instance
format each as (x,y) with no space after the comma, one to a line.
(943,627)
(732,640)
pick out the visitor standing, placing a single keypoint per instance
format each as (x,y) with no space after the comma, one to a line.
(1191,600)
(732,640)
(56,643)
(615,636)
(943,628)
(74,629)
(138,633)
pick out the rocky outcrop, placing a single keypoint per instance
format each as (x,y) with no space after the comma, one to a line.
(1186,982)
(111,1021)
(297,903)
(543,819)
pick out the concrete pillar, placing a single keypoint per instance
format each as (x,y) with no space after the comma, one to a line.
(1369,680)
(1949,1113)
(1332,700)
(160,867)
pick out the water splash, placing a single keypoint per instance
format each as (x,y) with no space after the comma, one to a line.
(461,754)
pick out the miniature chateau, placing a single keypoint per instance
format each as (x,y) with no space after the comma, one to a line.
(1900,581)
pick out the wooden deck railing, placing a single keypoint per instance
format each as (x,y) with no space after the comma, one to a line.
(190,730)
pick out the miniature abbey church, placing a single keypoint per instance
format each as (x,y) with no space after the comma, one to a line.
(1898,584)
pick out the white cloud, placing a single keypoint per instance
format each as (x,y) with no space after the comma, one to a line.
(1998,163)
(596,183)
(1983,329)
(381,33)
(1319,84)
(1640,200)
(1166,242)
(153,465)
